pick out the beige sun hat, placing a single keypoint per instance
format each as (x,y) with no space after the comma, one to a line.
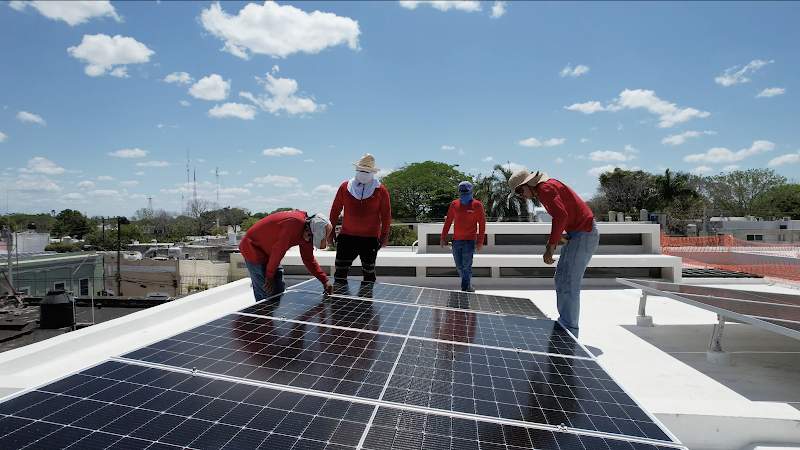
(366,163)
(522,176)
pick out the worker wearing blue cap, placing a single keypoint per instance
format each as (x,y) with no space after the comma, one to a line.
(470,228)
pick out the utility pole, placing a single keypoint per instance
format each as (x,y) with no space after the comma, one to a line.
(9,238)
(119,256)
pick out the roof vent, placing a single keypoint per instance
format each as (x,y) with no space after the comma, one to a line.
(55,310)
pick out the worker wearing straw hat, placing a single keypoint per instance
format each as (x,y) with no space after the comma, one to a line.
(573,216)
(366,221)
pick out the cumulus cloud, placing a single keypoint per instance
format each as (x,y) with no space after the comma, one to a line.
(178,78)
(153,164)
(104,193)
(559,160)
(679,139)
(86,184)
(282,151)
(42,165)
(702,170)
(105,178)
(3,137)
(445,5)
(789,158)
(590,107)
(184,103)
(277,181)
(452,148)
(129,183)
(668,113)
(771,92)
(574,72)
(597,171)
(610,155)
(129,153)
(718,155)
(235,110)
(324,189)
(72,196)
(72,12)
(278,30)
(29,117)
(105,54)
(535,143)
(740,74)
(498,9)
(35,183)
(281,96)
(212,87)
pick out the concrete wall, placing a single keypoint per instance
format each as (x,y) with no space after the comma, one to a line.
(199,275)
(37,275)
(142,277)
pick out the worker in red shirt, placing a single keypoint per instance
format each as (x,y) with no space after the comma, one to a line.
(470,228)
(573,216)
(266,242)
(366,221)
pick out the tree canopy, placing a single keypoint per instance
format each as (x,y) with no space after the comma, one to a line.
(423,190)
(734,192)
(780,201)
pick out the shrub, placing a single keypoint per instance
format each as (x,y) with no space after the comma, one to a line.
(402,235)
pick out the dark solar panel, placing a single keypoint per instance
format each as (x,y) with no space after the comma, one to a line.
(365,289)
(480,302)
(338,311)
(513,332)
(116,405)
(402,429)
(512,385)
(351,362)
(768,297)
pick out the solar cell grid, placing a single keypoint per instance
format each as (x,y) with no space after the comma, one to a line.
(349,362)
(211,414)
(479,302)
(512,332)
(706,291)
(520,386)
(338,311)
(364,289)
(394,428)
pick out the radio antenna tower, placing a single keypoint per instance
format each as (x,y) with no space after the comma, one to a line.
(194,193)
(150,204)
(216,173)
(187,182)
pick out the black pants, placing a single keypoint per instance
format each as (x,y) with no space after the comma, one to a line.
(348,248)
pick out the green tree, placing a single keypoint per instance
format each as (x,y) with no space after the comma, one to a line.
(232,216)
(674,187)
(249,222)
(42,223)
(780,201)
(423,190)
(499,201)
(71,223)
(734,193)
(626,190)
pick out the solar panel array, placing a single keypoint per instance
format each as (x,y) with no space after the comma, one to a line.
(389,368)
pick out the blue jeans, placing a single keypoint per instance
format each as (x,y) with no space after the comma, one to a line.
(575,256)
(258,277)
(462,254)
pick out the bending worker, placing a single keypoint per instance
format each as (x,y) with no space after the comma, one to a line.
(571,214)
(366,221)
(265,244)
(470,228)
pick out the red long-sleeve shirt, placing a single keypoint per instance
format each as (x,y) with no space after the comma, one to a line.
(470,221)
(370,217)
(267,241)
(569,212)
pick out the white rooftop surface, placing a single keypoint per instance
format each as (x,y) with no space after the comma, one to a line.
(754,404)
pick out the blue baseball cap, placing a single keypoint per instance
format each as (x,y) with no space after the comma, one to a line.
(465,186)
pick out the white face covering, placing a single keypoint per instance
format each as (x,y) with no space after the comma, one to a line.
(364,177)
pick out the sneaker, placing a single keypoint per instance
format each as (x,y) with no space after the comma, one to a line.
(469,289)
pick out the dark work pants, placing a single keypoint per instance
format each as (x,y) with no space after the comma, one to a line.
(348,248)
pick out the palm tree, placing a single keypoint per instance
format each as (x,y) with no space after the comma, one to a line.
(673,188)
(499,200)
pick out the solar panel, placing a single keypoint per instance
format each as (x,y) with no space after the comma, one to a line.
(777,312)
(117,405)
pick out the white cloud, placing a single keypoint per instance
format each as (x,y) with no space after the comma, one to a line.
(86,184)
(278,30)
(460,151)
(590,107)
(35,183)
(448,147)
(679,139)
(608,155)
(29,117)
(444,5)
(277,181)
(739,74)
(771,92)
(39,164)
(702,170)
(498,9)
(730,168)
(74,196)
(103,53)
(153,164)
(129,153)
(129,183)
(72,12)
(212,87)
(105,178)
(723,155)
(139,173)
(324,189)
(574,72)
(584,140)
(597,171)
(487,159)
(184,103)
(533,142)
(282,151)
(789,158)
(383,172)
(3,137)
(237,110)
(104,193)
(309,160)
(282,96)
(179,78)
(559,160)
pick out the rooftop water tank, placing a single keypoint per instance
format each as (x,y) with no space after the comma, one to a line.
(55,311)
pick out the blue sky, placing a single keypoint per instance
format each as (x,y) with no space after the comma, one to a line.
(102,101)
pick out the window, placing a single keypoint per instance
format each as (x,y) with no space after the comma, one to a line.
(59,286)
(83,287)
(755,237)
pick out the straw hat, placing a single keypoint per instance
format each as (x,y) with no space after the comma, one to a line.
(366,163)
(521,177)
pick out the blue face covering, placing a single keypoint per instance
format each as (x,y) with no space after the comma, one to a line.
(466,197)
